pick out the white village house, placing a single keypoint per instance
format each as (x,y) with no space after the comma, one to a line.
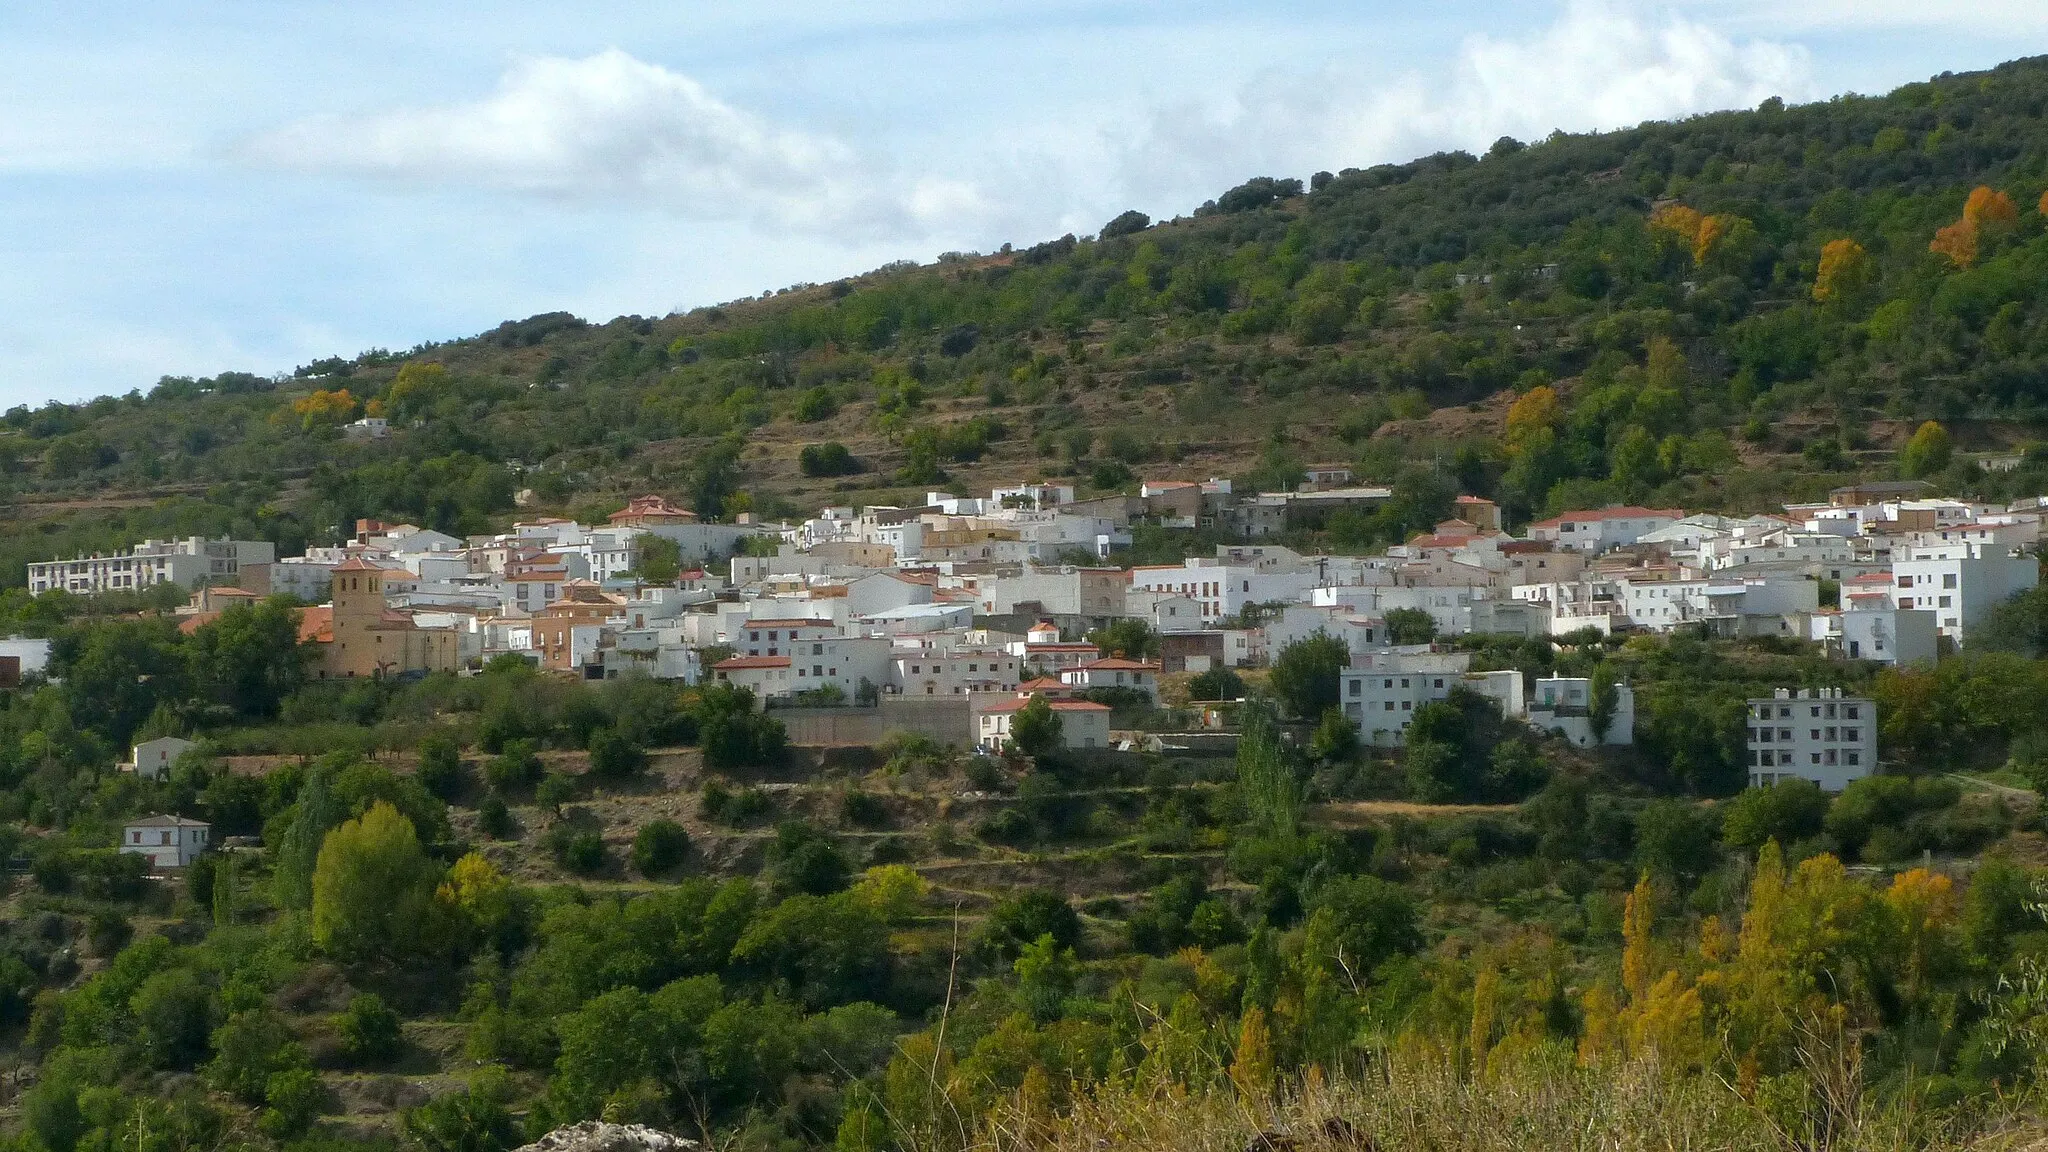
(168,841)
(152,759)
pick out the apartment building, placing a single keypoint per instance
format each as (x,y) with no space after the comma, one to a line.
(1814,734)
(188,563)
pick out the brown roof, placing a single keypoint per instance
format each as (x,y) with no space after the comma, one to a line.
(651,508)
(785,622)
(737,663)
(357,564)
(1018,704)
(316,624)
(1117,664)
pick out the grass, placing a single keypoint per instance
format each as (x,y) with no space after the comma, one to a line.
(1539,1100)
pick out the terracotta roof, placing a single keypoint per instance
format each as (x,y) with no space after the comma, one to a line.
(738,663)
(1018,704)
(358,564)
(233,592)
(316,624)
(786,622)
(196,621)
(651,508)
(1117,664)
(1471,500)
(1044,684)
(1031,647)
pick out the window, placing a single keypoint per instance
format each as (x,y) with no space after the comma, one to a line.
(1853,758)
(1948,580)
(1815,756)
(1849,712)
(1407,705)
(1831,734)
(1389,705)
(1785,735)
(753,635)
(1814,734)
(1404,681)
(1439,682)
(1905,581)
(1851,735)
(1355,686)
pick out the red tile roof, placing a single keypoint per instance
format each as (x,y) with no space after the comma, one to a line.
(1018,704)
(738,663)
(1117,664)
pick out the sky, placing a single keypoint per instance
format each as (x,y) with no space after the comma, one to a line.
(194,186)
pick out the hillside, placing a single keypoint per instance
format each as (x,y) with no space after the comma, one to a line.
(451,911)
(1665,282)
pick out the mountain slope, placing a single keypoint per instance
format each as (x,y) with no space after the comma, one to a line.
(1661,282)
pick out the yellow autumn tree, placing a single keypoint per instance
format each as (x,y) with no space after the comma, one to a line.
(1679,223)
(1485,1014)
(1533,413)
(1251,1067)
(325,407)
(1844,269)
(1637,961)
(1986,214)
(1924,907)
(477,893)
(1600,1031)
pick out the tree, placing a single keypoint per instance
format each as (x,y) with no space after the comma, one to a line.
(250,657)
(440,768)
(474,1119)
(1019,919)
(1035,729)
(1843,274)
(1218,683)
(1307,672)
(1335,740)
(1359,922)
(516,766)
(805,859)
(298,850)
(1788,811)
(373,891)
(615,757)
(554,791)
(659,847)
(660,559)
(1131,636)
(1410,626)
(1927,452)
(1125,224)
(828,459)
(369,1029)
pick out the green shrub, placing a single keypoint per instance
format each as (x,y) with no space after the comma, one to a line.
(659,847)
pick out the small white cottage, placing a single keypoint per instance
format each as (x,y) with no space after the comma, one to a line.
(168,841)
(153,758)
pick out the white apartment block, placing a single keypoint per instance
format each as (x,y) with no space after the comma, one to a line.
(1603,529)
(1382,691)
(187,563)
(953,672)
(1564,704)
(1224,589)
(1960,582)
(1818,735)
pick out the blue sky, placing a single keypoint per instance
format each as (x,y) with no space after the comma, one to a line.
(191,187)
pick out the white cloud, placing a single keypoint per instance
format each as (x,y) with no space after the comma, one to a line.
(610,127)
(1598,66)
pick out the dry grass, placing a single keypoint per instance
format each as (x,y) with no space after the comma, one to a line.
(1543,1102)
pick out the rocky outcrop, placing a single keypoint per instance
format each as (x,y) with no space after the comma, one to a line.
(598,1136)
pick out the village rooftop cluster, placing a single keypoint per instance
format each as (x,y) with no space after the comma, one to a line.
(961,609)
